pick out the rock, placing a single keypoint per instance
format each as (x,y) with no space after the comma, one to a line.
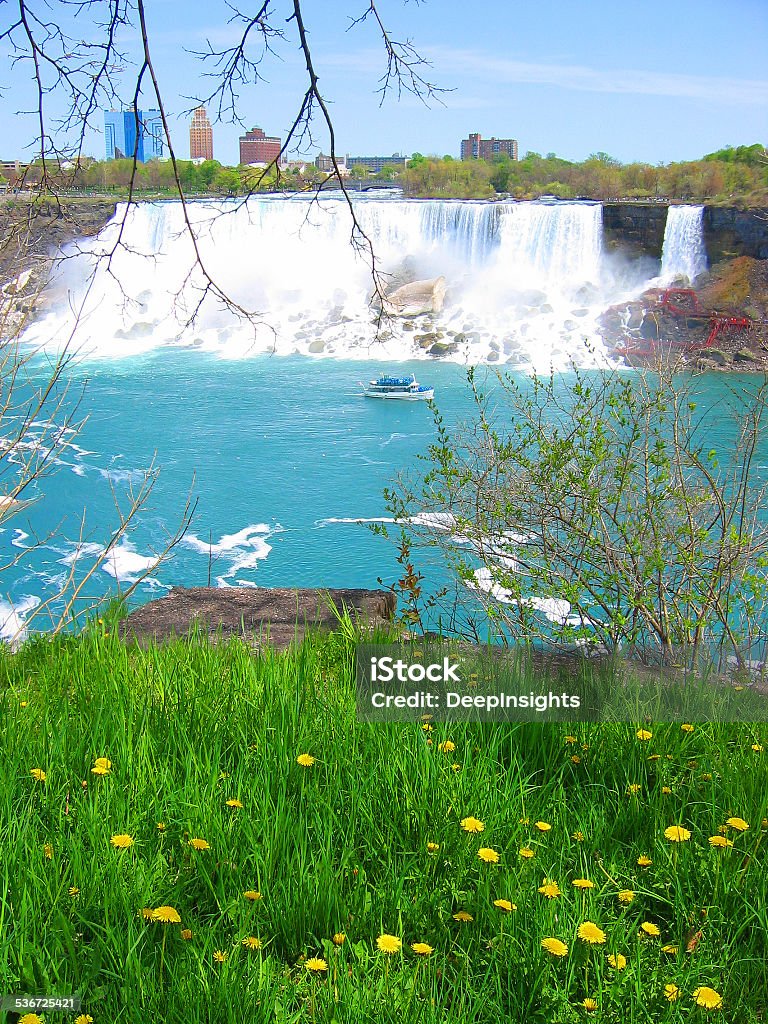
(316,346)
(546,308)
(415,298)
(493,356)
(442,349)
(715,355)
(425,340)
(745,356)
(579,312)
(265,617)
(409,325)
(494,346)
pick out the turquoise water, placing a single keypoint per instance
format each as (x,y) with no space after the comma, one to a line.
(282,454)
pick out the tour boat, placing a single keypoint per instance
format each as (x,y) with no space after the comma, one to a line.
(398,387)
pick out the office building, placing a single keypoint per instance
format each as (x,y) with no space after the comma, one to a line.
(129,134)
(200,136)
(258,148)
(478,148)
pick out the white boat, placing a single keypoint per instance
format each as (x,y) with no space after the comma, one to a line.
(404,388)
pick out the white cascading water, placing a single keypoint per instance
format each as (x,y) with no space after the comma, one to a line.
(684,252)
(525,281)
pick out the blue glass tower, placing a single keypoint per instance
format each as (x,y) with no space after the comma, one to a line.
(120,135)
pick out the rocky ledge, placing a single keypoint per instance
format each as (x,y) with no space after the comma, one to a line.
(265,617)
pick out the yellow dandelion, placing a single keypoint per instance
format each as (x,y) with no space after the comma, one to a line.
(168,915)
(589,1004)
(446,747)
(223,776)
(427,727)
(757,747)
(101,766)
(720,841)
(526,852)
(634,788)
(525,821)
(706,776)
(199,844)
(456,766)
(315,963)
(555,947)
(589,932)
(234,803)
(305,760)
(669,949)
(339,939)
(578,836)
(121,841)
(161,826)
(677,834)
(644,861)
(666,790)
(252,942)
(653,757)
(687,727)
(30,1018)
(576,759)
(488,855)
(650,928)
(422,948)
(74,891)
(48,851)
(505,905)
(220,956)
(617,960)
(542,826)
(38,775)
(550,889)
(707,997)
(388,943)
(625,895)
(738,823)
(147,913)
(644,734)
(583,883)
(84,1018)
(186,934)
(463,916)
(671,992)
(433,847)
(571,739)
(252,894)
(472,824)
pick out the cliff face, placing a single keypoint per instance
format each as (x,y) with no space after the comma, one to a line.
(634,228)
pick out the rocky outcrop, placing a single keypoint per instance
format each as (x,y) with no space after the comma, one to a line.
(416,298)
(634,228)
(729,232)
(273,617)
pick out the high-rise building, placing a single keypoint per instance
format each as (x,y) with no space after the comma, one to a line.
(258,148)
(200,136)
(129,133)
(375,163)
(478,148)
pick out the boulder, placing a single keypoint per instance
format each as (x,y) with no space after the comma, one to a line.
(416,297)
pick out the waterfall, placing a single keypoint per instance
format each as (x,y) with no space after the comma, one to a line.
(684,253)
(524,280)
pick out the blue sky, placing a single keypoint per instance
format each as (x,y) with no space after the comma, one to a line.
(658,82)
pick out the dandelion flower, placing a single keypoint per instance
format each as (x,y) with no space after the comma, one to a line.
(617,960)
(576,759)
(74,891)
(388,943)
(488,855)
(199,844)
(147,913)
(671,992)
(589,1004)
(186,933)
(234,803)
(39,776)
(433,847)
(472,825)
(589,932)
(505,905)
(84,1018)
(219,956)
(720,841)
(644,734)
(339,939)
(463,916)
(583,883)
(707,997)
(634,788)
(48,851)
(30,1018)
(422,948)
(526,852)
(669,949)
(161,826)
(550,889)
(315,963)
(542,826)
(644,861)
(666,790)
(305,760)
(456,767)
(555,947)
(571,739)
(251,894)
(446,747)
(687,727)
(578,836)
(101,766)
(757,747)
(168,915)
(650,928)
(252,942)
(677,834)
(525,821)
(738,823)
(121,841)
(625,895)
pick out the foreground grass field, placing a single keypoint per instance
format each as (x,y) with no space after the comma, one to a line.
(195,834)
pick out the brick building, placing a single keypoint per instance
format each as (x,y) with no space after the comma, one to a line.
(200,136)
(258,148)
(478,148)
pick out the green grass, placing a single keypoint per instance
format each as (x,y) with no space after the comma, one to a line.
(341,846)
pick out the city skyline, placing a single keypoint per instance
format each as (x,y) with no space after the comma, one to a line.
(558,79)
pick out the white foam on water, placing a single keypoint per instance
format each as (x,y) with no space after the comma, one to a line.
(13,618)
(243,550)
(125,564)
